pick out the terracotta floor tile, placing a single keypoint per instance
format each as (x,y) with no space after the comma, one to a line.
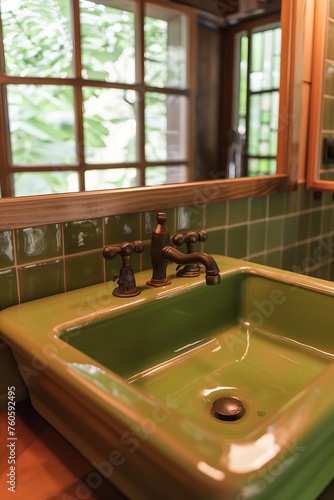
(47,466)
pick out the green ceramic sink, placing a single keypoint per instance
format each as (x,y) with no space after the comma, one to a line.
(132,382)
(252,338)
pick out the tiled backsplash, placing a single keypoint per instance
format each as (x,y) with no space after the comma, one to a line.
(293,231)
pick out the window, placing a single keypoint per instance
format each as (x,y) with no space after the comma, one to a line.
(95,95)
(256,109)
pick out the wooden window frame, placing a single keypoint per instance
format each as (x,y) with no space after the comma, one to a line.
(77,82)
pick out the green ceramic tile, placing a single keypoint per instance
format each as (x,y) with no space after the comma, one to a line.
(237,241)
(149,221)
(276,204)
(274,233)
(291,202)
(215,215)
(312,257)
(315,225)
(216,242)
(290,230)
(258,207)
(120,228)
(238,211)
(83,235)
(84,270)
(321,250)
(8,288)
(190,218)
(41,280)
(257,233)
(146,262)
(316,200)
(6,249)
(327,220)
(273,259)
(331,276)
(324,271)
(327,272)
(303,229)
(327,199)
(288,258)
(38,243)
(300,258)
(328,245)
(258,259)
(305,198)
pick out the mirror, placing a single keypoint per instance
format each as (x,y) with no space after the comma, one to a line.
(49,143)
(238,117)
(320,175)
(24,211)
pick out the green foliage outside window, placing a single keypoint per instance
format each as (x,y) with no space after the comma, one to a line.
(38,43)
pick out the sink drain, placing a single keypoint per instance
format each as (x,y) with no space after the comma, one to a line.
(228,409)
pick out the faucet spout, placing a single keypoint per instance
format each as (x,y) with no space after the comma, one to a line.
(162,252)
(212,275)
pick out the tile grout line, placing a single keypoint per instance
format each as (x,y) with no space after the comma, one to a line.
(17,276)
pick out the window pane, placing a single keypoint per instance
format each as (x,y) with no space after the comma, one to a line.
(41,124)
(31,183)
(265,60)
(37,37)
(108,41)
(272,167)
(262,166)
(263,124)
(109,125)
(253,167)
(243,83)
(111,179)
(165,121)
(155,176)
(254,125)
(276,64)
(165,47)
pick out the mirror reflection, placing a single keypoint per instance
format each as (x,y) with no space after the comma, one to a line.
(116,93)
(326,167)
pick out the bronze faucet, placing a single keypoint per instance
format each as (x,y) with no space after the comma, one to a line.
(190,239)
(126,278)
(162,252)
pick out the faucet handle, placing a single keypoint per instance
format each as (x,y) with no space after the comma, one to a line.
(191,238)
(124,249)
(126,279)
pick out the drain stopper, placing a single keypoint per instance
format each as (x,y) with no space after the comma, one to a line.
(228,409)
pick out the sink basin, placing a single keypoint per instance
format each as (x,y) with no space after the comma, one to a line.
(132,382)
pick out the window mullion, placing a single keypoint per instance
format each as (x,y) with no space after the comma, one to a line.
(140,65)
(6,180)
(2,51)
(78,102)
(244,170)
